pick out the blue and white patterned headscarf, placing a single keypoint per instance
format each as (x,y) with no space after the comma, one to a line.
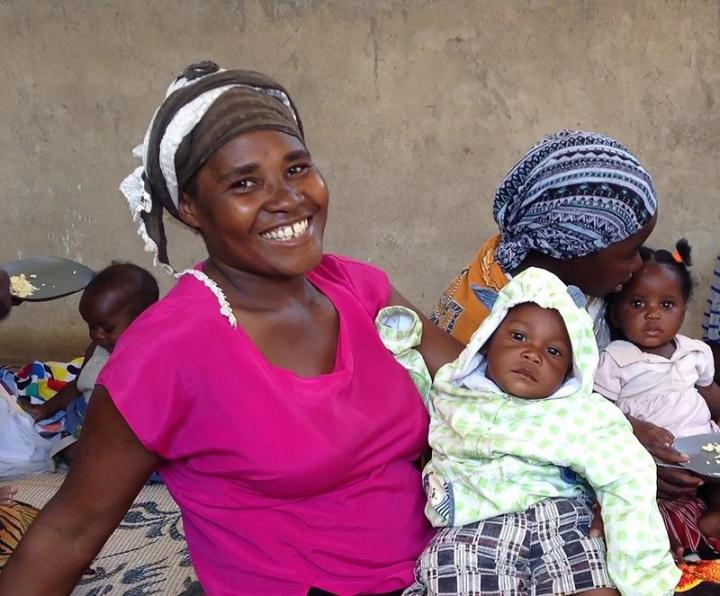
(574,193)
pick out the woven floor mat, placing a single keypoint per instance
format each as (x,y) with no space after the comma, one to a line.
(147,554)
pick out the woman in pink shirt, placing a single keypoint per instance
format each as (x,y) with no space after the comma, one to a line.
(258,386)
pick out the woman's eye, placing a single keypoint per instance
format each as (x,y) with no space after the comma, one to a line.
(298,169)
(244,184)
(517,336)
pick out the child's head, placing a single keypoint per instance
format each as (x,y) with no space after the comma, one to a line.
(529,355)
(114,298)
(537,342)
(650,309)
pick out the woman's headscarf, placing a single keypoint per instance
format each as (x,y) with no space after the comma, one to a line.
(574,193)
(204,108)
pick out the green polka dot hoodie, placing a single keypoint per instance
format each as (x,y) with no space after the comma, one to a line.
(495,454)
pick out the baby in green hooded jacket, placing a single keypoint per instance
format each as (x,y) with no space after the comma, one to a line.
(514,420)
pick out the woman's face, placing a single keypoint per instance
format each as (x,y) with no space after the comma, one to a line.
(604,272)
(260,205)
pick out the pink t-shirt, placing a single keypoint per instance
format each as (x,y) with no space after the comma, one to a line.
(284,482)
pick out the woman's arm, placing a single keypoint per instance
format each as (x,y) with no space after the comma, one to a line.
(437,347)
(711,394)
(110,468)
(715,348)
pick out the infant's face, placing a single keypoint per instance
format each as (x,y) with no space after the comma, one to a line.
(651,308)
(530,354)
(107,316)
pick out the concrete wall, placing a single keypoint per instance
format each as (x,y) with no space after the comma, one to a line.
(414,110)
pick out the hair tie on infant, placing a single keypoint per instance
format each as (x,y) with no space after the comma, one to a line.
(677,257)
(485,295)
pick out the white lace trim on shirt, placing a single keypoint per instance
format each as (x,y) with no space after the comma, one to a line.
(223,303)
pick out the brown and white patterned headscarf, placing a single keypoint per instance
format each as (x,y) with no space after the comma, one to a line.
(203,109)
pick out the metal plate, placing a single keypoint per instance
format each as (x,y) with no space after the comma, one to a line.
(701,462)
(53,277)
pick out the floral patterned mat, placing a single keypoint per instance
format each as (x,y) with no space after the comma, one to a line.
(147,554)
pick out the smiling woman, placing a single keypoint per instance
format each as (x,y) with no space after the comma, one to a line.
(264,203)
(258,386)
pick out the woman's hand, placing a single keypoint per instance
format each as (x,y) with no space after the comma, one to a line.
(672,483)
(7,493)
(6,299)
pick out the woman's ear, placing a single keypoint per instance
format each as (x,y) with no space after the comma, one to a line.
(188,211)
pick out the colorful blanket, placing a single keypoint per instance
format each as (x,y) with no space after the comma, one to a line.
(38,382)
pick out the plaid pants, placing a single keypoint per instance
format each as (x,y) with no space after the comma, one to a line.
(543,551)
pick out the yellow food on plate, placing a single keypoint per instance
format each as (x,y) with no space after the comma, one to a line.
(20,286)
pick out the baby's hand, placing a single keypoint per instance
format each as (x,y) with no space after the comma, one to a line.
(38,412)
(651,435)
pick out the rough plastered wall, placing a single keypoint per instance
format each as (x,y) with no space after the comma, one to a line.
(414,111)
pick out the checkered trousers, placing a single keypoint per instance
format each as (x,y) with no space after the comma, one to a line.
(542,551)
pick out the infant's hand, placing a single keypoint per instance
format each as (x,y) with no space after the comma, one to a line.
(597,526)
(652,436)
(38,412)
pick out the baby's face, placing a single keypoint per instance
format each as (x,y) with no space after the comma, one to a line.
(107,316)
(651,308)
(530,354)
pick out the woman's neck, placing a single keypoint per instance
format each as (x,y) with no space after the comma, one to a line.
(252,292)
(534,259)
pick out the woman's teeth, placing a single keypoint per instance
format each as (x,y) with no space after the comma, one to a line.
(287,232)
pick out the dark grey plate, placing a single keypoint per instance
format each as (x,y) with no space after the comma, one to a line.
(54,277)
(701,462)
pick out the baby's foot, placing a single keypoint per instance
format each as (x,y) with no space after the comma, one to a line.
(7,493)
(710,524)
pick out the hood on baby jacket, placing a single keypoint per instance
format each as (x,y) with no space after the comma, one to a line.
(546,290)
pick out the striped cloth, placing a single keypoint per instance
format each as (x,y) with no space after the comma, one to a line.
(711,320)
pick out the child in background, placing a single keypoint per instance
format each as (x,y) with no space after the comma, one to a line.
(655,374)
(111,301)
(513,421)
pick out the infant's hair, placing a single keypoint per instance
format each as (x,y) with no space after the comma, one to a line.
(139,284)
(679,260)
